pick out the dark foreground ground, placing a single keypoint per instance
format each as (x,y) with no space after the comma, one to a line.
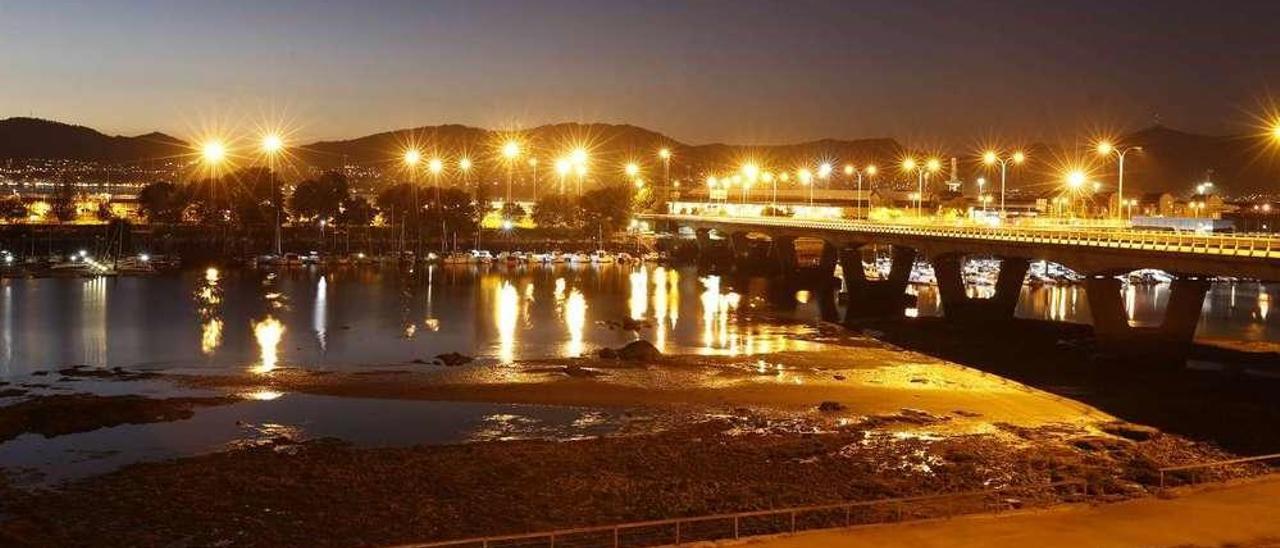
(329,493)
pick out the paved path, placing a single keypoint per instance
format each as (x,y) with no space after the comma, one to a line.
(1240,513)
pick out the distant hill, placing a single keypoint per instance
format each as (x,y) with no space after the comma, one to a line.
(1172,161)
(35,138)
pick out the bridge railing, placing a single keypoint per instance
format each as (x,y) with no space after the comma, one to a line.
(1236,245)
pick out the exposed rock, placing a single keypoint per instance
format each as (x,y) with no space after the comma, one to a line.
(637,351)
(1130,431)
(71,413)
(831,406)
(454,359)
(115,373)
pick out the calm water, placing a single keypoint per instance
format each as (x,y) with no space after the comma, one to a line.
(350,317)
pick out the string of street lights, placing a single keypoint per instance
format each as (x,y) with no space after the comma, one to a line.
(576,163)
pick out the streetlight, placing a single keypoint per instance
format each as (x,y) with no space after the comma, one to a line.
(1075,181)
(711,187)
(772,181)
(750,172)
(272,144)
(869,171)
(991,158)
(824,173)
(435,166)
(213,152)
(562,169)
(931,166)
(510,150)
(806,179)
(1105,148)
(464,165)
(411,159)
(665,154)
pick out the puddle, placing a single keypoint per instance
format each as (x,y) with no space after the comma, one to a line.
(269,416)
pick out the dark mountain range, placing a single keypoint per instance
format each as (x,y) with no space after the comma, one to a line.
(1171,160)
(35,138)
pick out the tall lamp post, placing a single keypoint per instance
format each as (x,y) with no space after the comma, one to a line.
(665,154)
(562,169)
(411,159)
(929,167)
(806,179)
(464,166)
(992,158)
(510,150)
(869,171)
(1105,148)
(272,145)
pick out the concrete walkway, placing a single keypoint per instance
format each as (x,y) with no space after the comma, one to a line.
(1242,513)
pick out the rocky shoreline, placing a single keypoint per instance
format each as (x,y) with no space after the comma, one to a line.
(327,492)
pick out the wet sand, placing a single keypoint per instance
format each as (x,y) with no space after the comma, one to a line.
(867,379)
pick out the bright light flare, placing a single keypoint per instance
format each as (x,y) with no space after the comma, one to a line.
(824,170)
(464,164)
(990,158)
(1076,179)
(1104,148)
(578,156)
(272,143)
(871,170)
(510,150)
(805,177)
(909,164)
(1019,157)
(848,169)
(664,153)
(632,169)
(213,151)
(563,166)
(436,165)
(933,165)
(751,170)
(412,157)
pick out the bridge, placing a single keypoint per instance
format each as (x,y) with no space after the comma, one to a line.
(1099,253)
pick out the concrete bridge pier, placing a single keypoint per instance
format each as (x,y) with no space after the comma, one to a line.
(884,298)
(784,252)
(1168,342)
(958,306)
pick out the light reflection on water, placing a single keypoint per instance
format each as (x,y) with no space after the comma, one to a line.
(257,321)
(1238,310)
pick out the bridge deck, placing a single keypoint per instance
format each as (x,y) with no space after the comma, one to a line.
(1229,245)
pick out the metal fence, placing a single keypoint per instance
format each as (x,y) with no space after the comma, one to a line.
(1189,472)
(771,522)
(1234,245)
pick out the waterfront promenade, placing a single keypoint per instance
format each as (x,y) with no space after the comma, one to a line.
(1241,513)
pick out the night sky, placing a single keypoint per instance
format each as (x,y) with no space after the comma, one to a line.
(741,71)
